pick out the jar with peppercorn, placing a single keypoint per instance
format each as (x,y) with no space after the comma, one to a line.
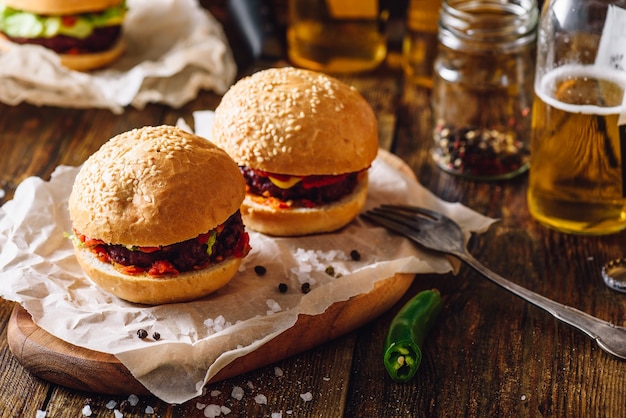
(483,87)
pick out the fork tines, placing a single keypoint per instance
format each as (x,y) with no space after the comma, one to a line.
(410,209)
(398,218)
(386,220)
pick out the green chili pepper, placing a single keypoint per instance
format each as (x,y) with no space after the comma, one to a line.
(402,355)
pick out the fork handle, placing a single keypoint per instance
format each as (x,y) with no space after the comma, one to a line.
(590,325)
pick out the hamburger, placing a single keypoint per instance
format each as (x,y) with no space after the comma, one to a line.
(304,142)
(155,216)
(85,34)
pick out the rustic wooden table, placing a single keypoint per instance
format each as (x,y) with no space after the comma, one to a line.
(489,354)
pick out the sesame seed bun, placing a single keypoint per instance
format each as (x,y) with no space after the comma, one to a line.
(155,186)
(61,7)
(296,122)
(300,123)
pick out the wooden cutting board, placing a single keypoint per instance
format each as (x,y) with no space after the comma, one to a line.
(65,364)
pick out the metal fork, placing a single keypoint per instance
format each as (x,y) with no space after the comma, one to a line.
(440,233)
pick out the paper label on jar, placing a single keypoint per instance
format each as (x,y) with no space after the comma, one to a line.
(353,9)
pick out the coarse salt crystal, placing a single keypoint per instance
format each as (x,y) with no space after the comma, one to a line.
(200,406)
(212,411)
(111,404)
(273,305)
(215,393)
(237,393)
(250,384)
(260,399)
(86,411)
(133,400)
(225,410)
(117,414)
(306,397)
(277,415)
(305,268)
(40,414)
(278,371)
(149,410)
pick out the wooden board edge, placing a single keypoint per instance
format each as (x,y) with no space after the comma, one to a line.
(62,363)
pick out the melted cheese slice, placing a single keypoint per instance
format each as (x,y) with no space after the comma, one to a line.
(285,184)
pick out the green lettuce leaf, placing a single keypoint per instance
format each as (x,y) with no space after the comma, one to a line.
(20,24)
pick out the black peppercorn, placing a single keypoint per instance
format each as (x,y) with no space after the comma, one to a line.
(142,333)
(260,270)
(124,406)
(306,287)
(156,336)
(330,270)
(478,152)
(355,255)
(282,288)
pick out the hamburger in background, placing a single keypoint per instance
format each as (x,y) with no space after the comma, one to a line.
(86,34)
(155,216)
(304,142)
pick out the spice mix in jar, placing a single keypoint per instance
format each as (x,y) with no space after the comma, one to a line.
(483,87)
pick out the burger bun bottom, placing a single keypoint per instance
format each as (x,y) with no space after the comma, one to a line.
(145,289)
(81,62)
(93,60)
(304,221)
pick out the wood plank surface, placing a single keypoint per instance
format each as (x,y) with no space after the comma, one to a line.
(489,353)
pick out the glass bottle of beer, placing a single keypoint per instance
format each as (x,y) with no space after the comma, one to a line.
(577,180)
(419,46)
(337,36)
(483,87)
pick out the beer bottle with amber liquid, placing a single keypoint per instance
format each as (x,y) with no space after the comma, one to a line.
(337,36)
(577,180)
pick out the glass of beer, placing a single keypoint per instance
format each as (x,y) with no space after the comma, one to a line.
(577,180)
(336,36)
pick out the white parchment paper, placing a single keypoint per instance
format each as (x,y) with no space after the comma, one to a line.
(174,49)
(38,270)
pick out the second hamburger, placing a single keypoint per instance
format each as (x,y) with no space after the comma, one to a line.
(304,142)
(86,34)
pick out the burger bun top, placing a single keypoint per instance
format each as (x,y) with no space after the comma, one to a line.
(155,186)
(296,122)
(61,7)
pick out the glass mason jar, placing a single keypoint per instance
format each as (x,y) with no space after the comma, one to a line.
(577,180)
(483,87)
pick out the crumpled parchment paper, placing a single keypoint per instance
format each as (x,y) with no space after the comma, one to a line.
(174,49)
(38,270)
